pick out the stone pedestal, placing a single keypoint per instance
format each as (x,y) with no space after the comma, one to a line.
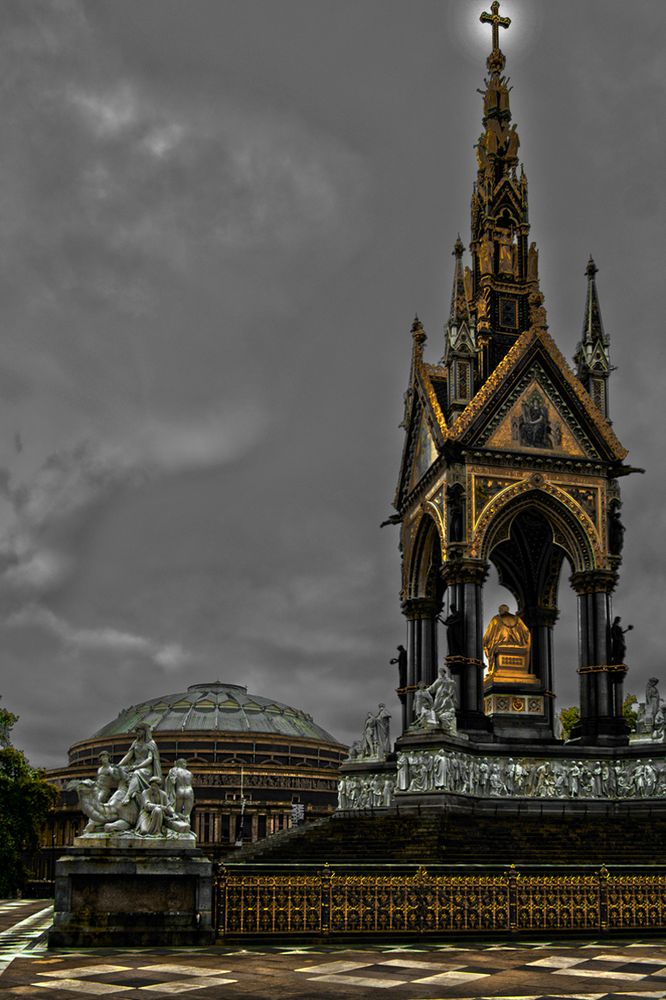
(143,897)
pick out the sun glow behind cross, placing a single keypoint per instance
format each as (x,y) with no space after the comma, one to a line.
(475,37)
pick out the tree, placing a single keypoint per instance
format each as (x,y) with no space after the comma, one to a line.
(630,716)
(570,716)
(568,719)
(26,798)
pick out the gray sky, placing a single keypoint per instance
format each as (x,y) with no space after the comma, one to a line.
(217,220)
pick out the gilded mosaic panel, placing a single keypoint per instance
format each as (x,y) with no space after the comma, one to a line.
(484,488)
(535,424)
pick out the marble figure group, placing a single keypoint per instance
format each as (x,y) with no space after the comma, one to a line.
(127,798)
(434,706)
(375,741)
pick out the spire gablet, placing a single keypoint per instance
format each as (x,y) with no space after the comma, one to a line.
(459,312)
(593,328)
(592,357)
(460,336)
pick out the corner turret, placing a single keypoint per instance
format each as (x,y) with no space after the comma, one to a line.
(592,357)
(460,345)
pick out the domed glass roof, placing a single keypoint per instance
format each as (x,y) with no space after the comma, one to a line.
(217,706)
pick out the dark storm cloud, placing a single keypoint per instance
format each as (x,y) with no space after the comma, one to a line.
(216,222)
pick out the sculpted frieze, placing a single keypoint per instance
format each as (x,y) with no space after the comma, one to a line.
(457,773)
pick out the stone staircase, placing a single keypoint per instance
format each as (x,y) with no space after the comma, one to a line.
(452,838)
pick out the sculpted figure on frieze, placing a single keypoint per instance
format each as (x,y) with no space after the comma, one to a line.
(402,774)
(449,771)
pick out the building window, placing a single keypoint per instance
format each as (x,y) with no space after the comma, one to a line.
(462,372)
(599,394)
(508,309)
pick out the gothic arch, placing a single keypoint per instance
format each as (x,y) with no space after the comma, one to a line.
(423,580)
(573,531)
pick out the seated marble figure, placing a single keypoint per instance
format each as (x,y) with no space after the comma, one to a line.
(506,644)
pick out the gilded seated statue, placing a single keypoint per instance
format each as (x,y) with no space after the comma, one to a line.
(506,643)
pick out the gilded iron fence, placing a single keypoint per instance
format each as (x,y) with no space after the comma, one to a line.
(307,901)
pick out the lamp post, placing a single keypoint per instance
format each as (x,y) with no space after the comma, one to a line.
(239,832)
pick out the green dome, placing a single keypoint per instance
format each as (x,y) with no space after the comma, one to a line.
(217,706)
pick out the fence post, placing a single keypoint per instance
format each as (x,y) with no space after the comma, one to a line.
(219,907)
(325,900)
(603,877)
(513,876)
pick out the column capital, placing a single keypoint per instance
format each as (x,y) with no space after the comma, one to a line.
(540,616)
(419,607)
(465,571)
(594,581)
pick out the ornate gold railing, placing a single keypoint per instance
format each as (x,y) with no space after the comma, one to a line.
(310,901)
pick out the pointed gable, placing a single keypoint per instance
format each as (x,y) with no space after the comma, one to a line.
(569,423)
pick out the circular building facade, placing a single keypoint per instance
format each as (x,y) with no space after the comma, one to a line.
(239,747)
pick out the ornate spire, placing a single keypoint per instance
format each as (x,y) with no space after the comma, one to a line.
(592,357)
(504,270)
(459,313)
(593,328)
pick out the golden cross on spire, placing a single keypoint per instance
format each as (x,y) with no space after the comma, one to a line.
(496,21)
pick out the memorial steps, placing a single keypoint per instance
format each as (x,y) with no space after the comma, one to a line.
(468,840)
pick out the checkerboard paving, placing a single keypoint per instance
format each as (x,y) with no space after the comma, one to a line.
(605,970)
(157,979)
(22,933)
(606,966)
(406,975)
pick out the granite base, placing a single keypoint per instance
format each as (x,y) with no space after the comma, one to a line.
(138,897)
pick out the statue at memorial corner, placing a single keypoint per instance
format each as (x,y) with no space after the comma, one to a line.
(615,531)
(454,624)
(424,707)
(127,798)
(375,741)
(618,644)
(401,661)
(383,731)
(442,692)
(652,701)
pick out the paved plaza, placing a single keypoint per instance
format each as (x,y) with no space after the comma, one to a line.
(535,970)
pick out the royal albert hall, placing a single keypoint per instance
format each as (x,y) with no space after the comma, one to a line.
(240,748)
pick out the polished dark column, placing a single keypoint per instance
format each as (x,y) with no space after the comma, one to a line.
(465,578)
(541,622)
(421,615)
(601,683)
